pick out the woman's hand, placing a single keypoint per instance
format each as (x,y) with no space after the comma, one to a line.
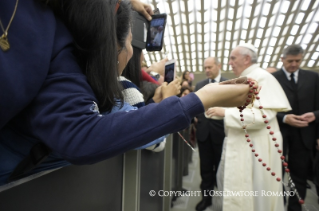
(167,90)
(158,67)
(218,95)
(171,89)
(144,9)
(158,97)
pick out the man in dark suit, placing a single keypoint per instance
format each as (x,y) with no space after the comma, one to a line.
(299,127)
(210,135)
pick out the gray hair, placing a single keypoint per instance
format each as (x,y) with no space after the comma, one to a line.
(292,50)
(247,51)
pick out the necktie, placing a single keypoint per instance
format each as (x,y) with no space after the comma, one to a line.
(292,80)
(295,104)
(212,81)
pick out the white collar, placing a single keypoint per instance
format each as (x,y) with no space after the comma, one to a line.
(217,79)
(296,74)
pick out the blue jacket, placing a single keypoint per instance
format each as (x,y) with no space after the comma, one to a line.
(45,97)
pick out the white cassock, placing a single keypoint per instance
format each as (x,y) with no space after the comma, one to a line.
(239,170)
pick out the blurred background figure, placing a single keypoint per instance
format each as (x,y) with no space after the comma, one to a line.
(187,77)
(210,135)
(271,69)
(299,126)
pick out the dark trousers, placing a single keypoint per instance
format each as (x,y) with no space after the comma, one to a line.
(209,154)
(300,164)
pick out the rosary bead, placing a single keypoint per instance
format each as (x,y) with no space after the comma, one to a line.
(273,173)
(256,93)
(248,140)
(276,145)
(256,154)
(246,135)
(282,157)
(285,164)
(266,121)
(287,170)
(301,201)
(251,91)
(268,169)
(241,119)
(257,98)
(241,115)
(264,164)
(274,139)
(278,179)
(253,150)
(251,145)
(260,159)
(264,116)
(271,132)
(268,127)
(260,107)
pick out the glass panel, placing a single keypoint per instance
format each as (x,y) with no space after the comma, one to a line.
(299,18)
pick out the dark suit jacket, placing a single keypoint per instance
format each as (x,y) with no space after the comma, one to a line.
(205,126)
(308,101)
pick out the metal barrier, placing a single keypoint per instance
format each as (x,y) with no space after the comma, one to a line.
(120,183)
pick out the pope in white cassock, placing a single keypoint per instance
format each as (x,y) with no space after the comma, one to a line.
(240,171)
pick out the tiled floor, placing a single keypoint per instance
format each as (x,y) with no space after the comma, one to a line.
(191,182)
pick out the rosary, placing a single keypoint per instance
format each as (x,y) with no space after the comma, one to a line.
(253,94)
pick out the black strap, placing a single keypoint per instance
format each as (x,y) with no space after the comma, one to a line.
(38,153)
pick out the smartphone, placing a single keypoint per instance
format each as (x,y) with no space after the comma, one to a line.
(155,33)
(170,72)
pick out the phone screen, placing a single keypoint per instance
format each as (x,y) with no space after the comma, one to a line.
(169,72)
(156,33)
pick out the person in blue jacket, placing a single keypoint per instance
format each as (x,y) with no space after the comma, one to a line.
(52,92)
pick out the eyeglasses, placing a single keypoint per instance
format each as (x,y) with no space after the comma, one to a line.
(117,5)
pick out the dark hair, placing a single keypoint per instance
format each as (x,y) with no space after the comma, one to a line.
(183,89)
(184,73)
(97,31)
(292,50)
(132,70)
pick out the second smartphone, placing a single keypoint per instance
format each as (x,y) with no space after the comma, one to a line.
(155,33)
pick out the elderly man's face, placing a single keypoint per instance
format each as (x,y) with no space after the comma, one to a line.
(237,62)
(211,68)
